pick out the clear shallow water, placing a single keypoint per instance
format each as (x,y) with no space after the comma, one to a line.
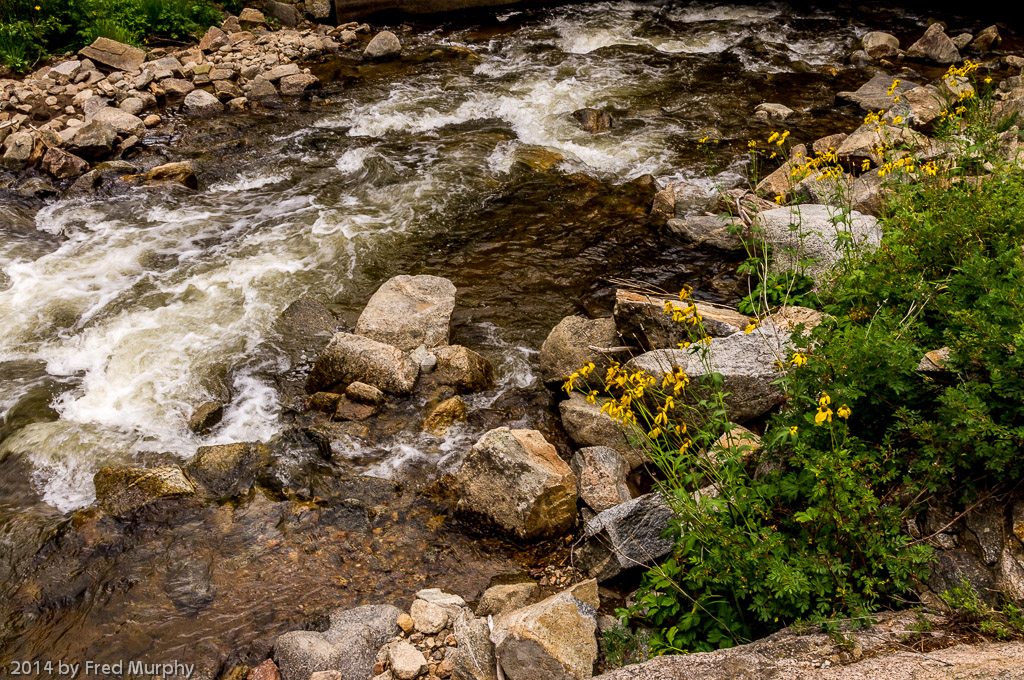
(118,314)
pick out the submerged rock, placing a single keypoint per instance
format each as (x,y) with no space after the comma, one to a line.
(444,415)
(206,416)
(62,164)
(554,639)
(515,479)
(409,311)
(462,368)
(122,490)
(352,358)
(227,470)
(593,120)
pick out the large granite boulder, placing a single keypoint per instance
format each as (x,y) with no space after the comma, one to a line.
(125,123)
(474,651)
(349,645)
(567,348)
(641,320)
(601,475)
(554,639)
(515,479)
(115,55)
(747,363)
(586,425)
(936,46)
(814,238)
(352,358)
(625,536)
(384,45)
(409,311)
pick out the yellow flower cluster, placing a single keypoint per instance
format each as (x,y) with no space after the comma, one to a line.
(799,359)
(968,68)
(825,164)
(686,314)
(824,413)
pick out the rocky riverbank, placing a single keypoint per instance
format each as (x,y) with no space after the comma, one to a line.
(277,506)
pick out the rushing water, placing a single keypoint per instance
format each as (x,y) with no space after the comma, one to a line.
(116,313)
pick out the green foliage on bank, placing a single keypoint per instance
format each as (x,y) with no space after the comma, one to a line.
(32,29)
(813,527)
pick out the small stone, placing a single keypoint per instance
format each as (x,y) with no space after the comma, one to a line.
(202,103)
(325,675)
(407,662)
(362,393)
(206,416)
(251,16)
(265,671)
(405,623)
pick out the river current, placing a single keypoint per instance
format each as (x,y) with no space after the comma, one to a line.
(463,160)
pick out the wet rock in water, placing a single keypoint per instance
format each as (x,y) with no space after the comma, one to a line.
(407,662)
(586,425)
(206,416)
(625,536)
(507,597)
(822,236)
(325,402)
(474,651)
(568,348)
(985,40)
(515,479)
(409,311)
(261,90)
(202,103)
(120,491)
(37,187)
(462,368)
(384,45)
(63,165)
(935,46)
(114,54)
(601,477)
(746,362)
(444,415)
(714,231)
(880,45)
(428,618)
(304,328)
(346,409)
(772,112)
(593,120)
(349,645)
(267,670)
(683,199)
(555,638)
(641,320)
(874,94)
(227,470)
(352,358)
(961,41)
(189,584)
(365,394)
(123,122)
(181,172)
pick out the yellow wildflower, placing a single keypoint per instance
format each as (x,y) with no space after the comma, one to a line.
(799,359)
(592,397)
(825,400)
(823,415)
(778,198)
(843,411)
(750,326)
(773,137)
(792,430)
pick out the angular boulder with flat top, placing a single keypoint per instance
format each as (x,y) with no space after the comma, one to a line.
(409,311)
(515,480)
(352,358)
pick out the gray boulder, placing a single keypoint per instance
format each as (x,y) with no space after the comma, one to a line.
(567,349)
(985,40)
(62,164)
(773,112)
(114,54)
(352,358)
(554,639)
(461,368)
(474,651)
(499,599)
(714,231)
(625,536)
(934,45)
(287,14)
(874,94)
(746,362)
(202,103)
(349,645)
(814,238)
(601,477)
(515,479)
(18,150)
(409,311)
(384,45)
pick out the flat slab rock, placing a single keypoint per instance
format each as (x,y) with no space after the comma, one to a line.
(409,311)
(114,54)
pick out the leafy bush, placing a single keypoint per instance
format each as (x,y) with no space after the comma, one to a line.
(811,527)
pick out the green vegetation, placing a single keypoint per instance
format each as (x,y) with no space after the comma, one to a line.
(811,527)
(31,29)
(971,612)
